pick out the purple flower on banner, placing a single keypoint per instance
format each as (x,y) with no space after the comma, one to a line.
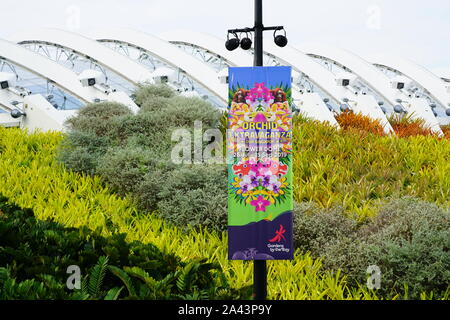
(249,183)
(273,184)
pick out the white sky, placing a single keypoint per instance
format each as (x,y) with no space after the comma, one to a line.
(418,30)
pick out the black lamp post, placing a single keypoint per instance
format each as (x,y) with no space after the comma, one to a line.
(246,43)
(260,266)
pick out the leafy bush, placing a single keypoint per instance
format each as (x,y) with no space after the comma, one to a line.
(154,104)
(182,112)
(36,255)
(194,196)
(147,93)
(132,154)
(95,117)
(315,228)
(408,240)
(124,168)
(175,111)
(359,122)
(83,151)
(147,126)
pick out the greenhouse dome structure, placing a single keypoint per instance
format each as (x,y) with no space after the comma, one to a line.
(47,74)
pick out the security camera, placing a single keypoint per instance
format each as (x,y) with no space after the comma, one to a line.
(400,83)
(7,80)
(345,79)
(89,78)
(163,75)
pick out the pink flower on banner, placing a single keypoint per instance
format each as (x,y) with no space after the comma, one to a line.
(260,95)
(260,170)
(260,91)
(260,204)
(260,118)
(250,98)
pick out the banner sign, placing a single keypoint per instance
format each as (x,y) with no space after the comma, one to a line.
(259,155)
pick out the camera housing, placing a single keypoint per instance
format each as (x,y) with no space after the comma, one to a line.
(345,79)
(163,75)
(400,83)
(7,80)
(90,78)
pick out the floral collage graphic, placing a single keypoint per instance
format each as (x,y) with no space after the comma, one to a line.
(261,182)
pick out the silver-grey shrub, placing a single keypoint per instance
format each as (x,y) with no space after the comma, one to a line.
(316,228)
(409,240)
(195,196)
(125,167)
(146,93)
(81,151)
(96,117)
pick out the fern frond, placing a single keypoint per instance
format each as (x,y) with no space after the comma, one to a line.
(122,275)
(114,293)
(97,276)
(137,272)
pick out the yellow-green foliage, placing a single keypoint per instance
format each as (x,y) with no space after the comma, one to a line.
(32,178)
(357,171)
(330,168)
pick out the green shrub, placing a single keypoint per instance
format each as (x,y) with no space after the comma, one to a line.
(409,241)
(146,93)
(316,228)
(194,196)
(125,168)
(148,191)
(155,104)
(182,112)
(95,117)
(146,128)
(173,110)
(132,153)
(82,151)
